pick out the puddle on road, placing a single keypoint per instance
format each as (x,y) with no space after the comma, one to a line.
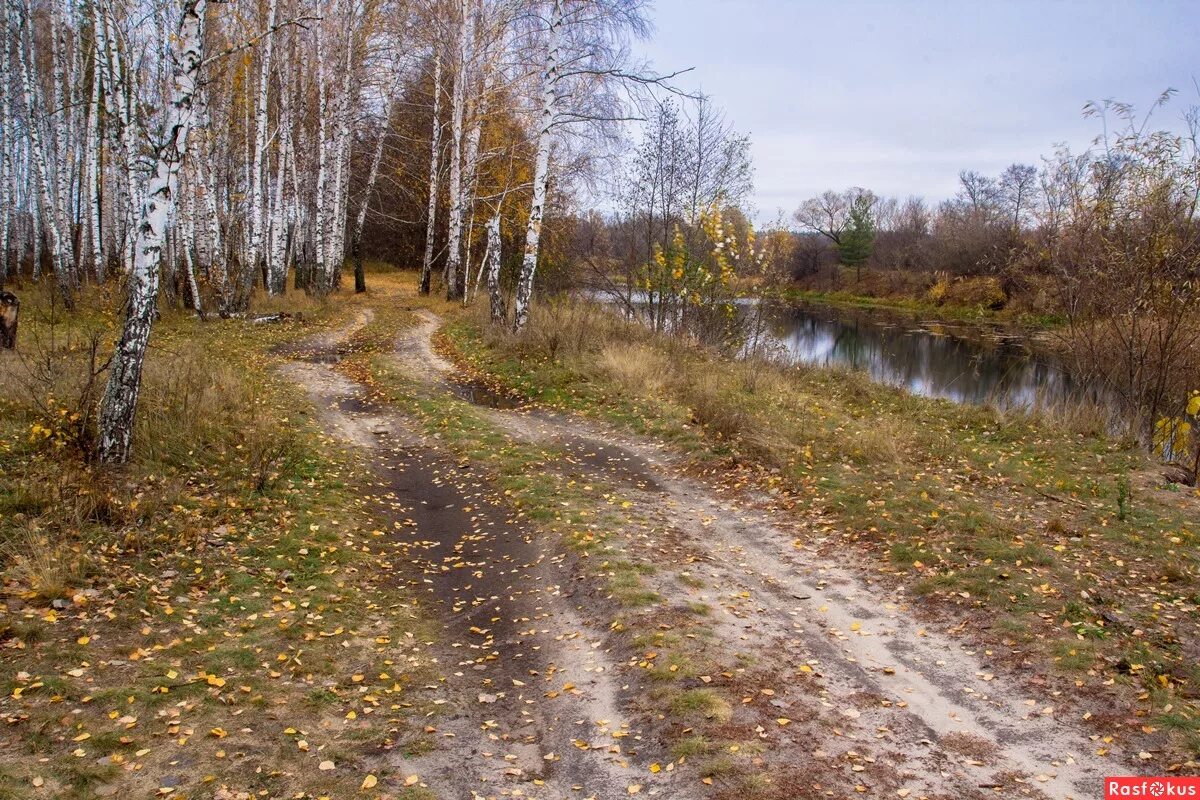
(358,405)
(312,354)
(481,394)
(324,357)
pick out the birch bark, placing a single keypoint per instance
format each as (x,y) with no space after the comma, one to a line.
(457,109)
(187,238)
(45,175)
(434,171)
(537,206)
(59,156)
(117,98)
(258,178)
(360,277)
(94,195)
(322,137)
(276,263)
(492,257)
(218,269)
(337,234)
(471,178)
(119,403)
(7,170)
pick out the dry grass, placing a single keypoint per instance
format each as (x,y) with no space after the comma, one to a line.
(760,409)
(637,368)
(206,422)
(293,302)
(197,559)
(48,566)
(1076,417)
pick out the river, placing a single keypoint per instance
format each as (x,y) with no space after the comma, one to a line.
(974,363)
(963,362)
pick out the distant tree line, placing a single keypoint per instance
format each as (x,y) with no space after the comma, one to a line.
(977,231)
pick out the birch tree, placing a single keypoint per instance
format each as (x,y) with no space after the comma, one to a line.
(360,278)
(119,403)
(582,69)
(7,167)
(258,176)
(434,173)
(457,111)
(547,119)
(93,175)
(492,261)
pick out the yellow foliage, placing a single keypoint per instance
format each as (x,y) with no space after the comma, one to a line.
(1172,435)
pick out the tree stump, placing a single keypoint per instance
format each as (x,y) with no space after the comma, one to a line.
(9,308)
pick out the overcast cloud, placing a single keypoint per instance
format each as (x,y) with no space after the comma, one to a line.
(900,96)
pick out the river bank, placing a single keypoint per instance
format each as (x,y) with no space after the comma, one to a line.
(923,308)
(934,296)
(980,362)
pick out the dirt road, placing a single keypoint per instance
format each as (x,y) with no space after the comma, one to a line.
(843,690)
(532,703)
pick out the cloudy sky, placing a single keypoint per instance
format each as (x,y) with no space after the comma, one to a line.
(899,96)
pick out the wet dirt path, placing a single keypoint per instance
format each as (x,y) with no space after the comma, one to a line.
(891,708)
(528,703)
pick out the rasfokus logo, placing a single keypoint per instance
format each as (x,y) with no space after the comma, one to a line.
(1151,787)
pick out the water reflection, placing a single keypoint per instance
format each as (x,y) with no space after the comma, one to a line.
(932,360)
(965,363)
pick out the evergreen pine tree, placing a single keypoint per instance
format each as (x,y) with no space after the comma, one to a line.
(858,240)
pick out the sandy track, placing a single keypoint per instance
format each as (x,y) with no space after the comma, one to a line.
(909,709)
(532,706)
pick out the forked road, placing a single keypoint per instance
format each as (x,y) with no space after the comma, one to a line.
(533,707)
(882,706)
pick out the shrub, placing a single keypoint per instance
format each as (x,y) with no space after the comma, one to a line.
(977,292)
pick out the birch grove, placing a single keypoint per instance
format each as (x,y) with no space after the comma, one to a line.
(197,155)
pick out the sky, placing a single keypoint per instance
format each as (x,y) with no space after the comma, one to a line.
(898,97)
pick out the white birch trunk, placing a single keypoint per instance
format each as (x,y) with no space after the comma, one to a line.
(471,178)
(117,100)
(8,198)
(187,242)
(119,403)
(297,214)
(60,154)
(218,270)
(337,234)
(360,280)
(94,178)
(319,275)
(258,178)
(458,101)
(541,171)
(35,236)
(276,263)
(492,261)
(434,171)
